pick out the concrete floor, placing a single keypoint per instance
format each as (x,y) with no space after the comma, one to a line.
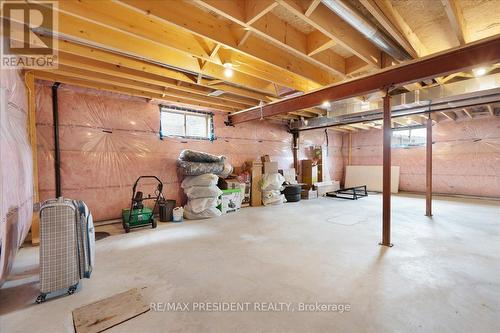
(442,275)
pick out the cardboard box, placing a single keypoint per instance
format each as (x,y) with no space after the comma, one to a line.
(270,167)
(256,195)
(328,186)
(231,184)
(309,172)
(230,200)
(309,194)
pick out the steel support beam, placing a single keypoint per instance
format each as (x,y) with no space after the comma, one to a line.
(386,174)
(475,54)
(428,169)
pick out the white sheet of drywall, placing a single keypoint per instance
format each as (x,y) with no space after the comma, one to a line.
(371,176)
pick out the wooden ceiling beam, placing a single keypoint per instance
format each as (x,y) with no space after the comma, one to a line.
(235,37)
(48,76)
(313,4)
(318,42)
(83,30)
(158,34)
(284,34)
(385,18)
(467,112)
(449,115)
(338,30)
(121,61)
(121,72)
(255,9)
(490,110)
(456,19)
(185,98)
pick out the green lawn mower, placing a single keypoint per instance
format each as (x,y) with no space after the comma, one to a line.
(138,215)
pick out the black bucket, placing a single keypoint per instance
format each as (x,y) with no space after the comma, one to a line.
(166,208)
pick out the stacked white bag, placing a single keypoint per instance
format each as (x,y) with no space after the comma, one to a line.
(203,196)
(271,185)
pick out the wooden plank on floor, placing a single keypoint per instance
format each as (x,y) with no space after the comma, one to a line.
(109,312)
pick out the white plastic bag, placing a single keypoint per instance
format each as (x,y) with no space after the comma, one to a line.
(207,179)
(208,213)
(272,181)
(274,200)
(195,192)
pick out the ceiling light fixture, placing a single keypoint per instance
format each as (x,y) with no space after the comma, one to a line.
(479,71)
(228,69)
(326,104)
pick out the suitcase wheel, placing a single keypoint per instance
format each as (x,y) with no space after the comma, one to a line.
(72,289)
(40,298)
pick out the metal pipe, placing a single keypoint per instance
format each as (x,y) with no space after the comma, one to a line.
(371,32)
(57,153)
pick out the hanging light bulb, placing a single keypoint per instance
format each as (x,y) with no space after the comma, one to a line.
(479,71)
(326,104)
(228,69)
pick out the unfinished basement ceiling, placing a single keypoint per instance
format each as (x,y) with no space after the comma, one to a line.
(274,48)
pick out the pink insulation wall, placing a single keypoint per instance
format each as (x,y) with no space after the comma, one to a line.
(16,168)
(100,168)
(331,142)
(466,157)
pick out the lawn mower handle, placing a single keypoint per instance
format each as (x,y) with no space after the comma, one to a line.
(160,186)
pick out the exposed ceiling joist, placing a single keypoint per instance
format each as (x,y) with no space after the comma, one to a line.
(122,72)
(271,28)
(180,97)
(80,18)
(194,20)
(121,61)
(338,30)
(456,18)
(385,17)
(449,115)
(114,88)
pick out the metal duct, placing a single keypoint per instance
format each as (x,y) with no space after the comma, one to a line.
(450,96)
(368,29)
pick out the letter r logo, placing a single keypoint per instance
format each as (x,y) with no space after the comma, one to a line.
(20,21)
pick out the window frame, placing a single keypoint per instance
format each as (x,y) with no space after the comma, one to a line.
(209,116)
(409,129)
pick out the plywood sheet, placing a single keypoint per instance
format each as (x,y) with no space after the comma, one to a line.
(371,176)
(109,312)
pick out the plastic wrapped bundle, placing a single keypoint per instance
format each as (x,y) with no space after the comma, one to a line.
(206,214)
(196,192)
(207,179)
(271,185)
(199,168)
(203,196)
(189,155)
(201,204)
(228,169)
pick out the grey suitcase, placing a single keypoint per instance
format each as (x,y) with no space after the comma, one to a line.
(66,245)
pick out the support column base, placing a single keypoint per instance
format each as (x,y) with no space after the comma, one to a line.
(389,245)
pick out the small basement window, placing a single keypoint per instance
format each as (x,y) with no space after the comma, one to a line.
(185,123)
(409,137)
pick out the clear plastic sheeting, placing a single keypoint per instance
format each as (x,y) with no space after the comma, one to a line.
(16,168)
(331,142)
(107,140)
